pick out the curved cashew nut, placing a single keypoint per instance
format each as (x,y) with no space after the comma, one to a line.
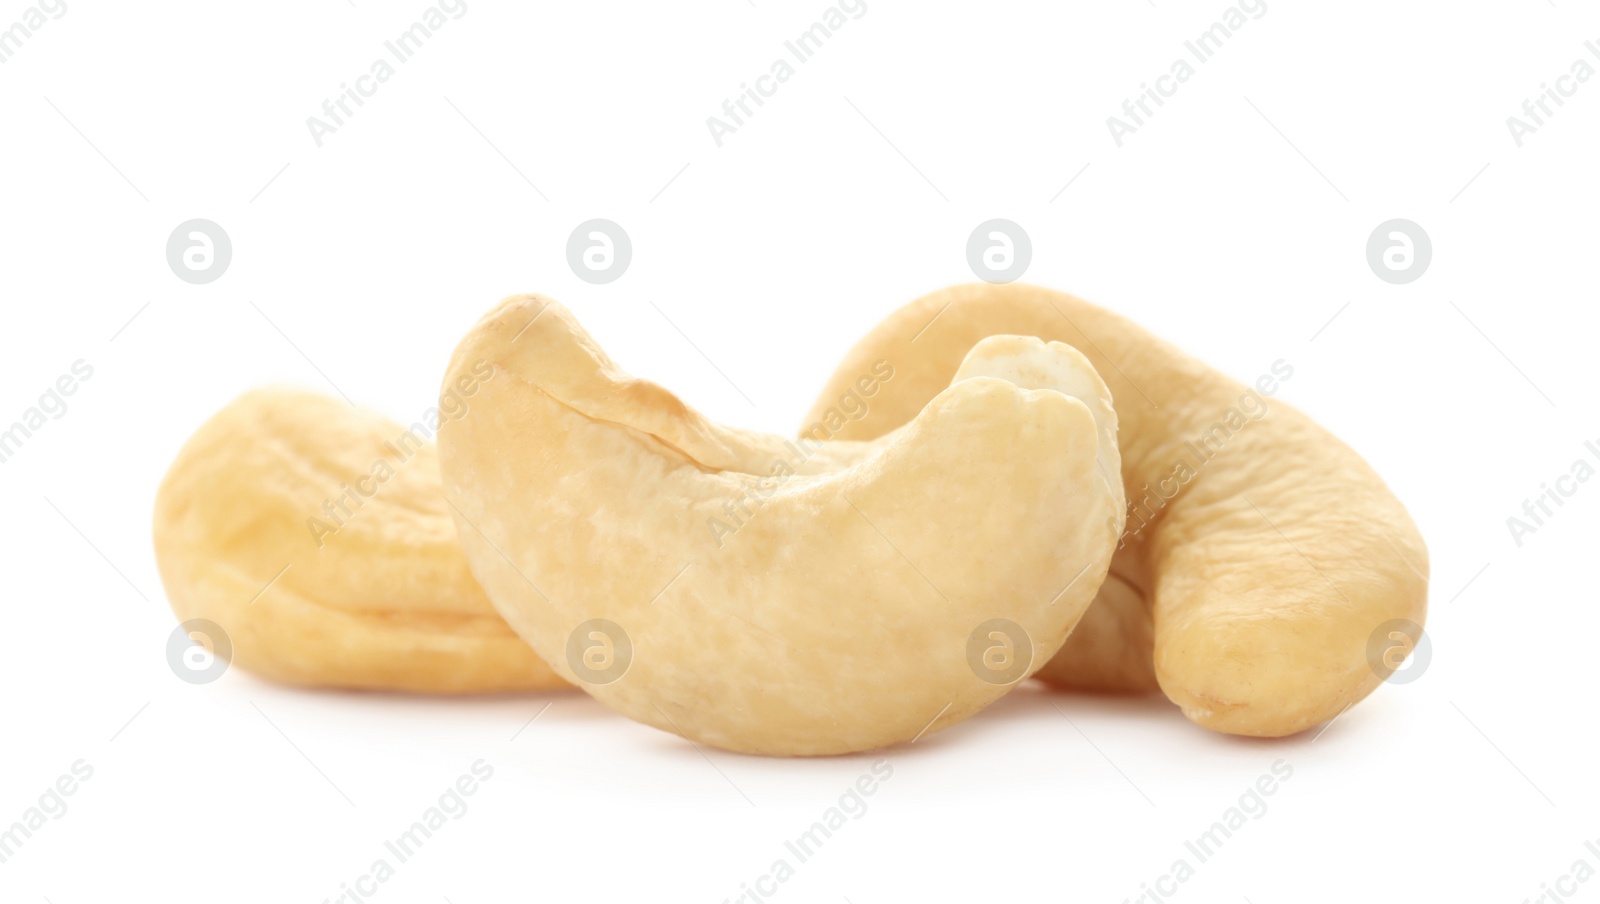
(316,536)
(772,596)
(1262,552)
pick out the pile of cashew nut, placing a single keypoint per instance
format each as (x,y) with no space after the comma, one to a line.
(1006,507)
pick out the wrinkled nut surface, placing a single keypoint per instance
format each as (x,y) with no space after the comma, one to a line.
(317,536)
(1262,552)
(773,596)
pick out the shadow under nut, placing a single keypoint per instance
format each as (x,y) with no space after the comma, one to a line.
(1260,581)
(379,598)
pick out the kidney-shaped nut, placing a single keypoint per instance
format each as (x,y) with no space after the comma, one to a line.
(1263,554)
(316,535)
(773,596)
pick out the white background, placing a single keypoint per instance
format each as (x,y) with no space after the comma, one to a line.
(1233,223)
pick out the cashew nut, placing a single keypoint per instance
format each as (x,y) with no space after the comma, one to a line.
(869,589)
(316,535)
(1261,554)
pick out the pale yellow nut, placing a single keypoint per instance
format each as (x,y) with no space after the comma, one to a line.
(316,535)
(1252,594)
(773,596)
